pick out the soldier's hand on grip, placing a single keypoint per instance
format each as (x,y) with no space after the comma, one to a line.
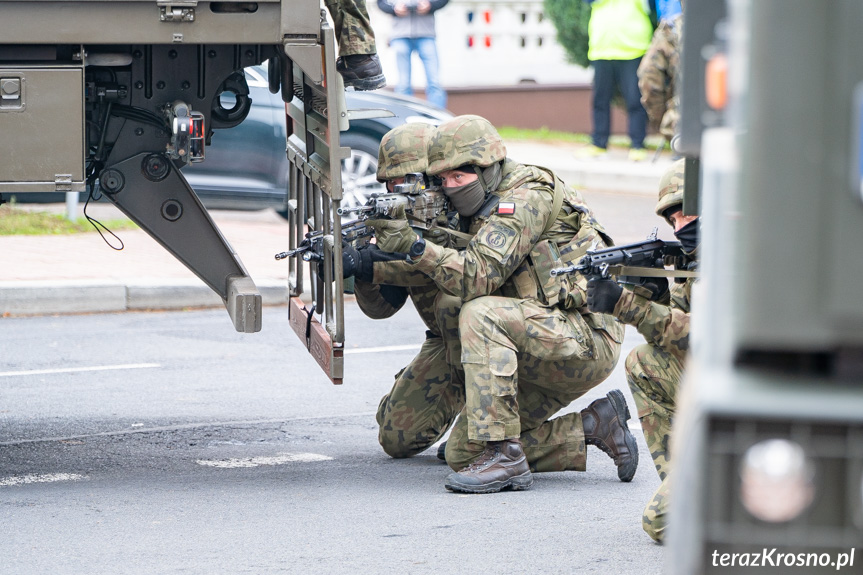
(360,262)
(602,295)
(393,235)
(351,260)
(654,289)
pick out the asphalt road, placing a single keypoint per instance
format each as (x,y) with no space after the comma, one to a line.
(168,443)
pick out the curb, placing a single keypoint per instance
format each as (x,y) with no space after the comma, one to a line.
(98,296)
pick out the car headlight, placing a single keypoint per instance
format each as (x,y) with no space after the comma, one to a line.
(776,480)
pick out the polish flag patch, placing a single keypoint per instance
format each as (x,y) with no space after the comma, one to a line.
(506,208)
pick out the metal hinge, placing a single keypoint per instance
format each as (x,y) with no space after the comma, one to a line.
(63,182)
(177,11)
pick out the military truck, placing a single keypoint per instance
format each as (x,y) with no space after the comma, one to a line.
(123,93)
(768,445)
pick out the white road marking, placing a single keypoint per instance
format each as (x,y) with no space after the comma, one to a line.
(384,348)
(257,461)
(49,478)
(79,369)
(201,425)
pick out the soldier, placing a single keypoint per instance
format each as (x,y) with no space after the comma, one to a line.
(526,342)
(658,75)
(661,315)
(358,61)
(428,394)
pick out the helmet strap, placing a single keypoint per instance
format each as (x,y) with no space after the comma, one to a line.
(490,177)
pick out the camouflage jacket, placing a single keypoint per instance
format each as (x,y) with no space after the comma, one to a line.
(496,261)
(659,76)
(664,325)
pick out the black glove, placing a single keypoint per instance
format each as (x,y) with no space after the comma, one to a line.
(602,295)
(654,289)
(359,262)
(352,260)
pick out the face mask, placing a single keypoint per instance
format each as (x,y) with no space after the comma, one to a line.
(688,236)
(466,199)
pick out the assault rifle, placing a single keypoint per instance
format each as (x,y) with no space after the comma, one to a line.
(312,246)
(422,204)
(647,258)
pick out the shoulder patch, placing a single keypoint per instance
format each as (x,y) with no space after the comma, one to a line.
(506,208)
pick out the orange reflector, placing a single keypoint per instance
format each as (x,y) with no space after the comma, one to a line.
(716,81)
(323,67)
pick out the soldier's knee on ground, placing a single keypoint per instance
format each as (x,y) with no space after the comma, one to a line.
(391,439)
(655,516)
(395,446)
(654,526)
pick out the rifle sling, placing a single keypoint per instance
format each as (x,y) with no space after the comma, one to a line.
(556,204)
(457,234)
(650,272)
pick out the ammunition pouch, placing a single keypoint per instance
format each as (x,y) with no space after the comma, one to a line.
(533,279)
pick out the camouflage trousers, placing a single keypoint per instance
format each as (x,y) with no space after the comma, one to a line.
(352,27)
(654,375)
(522,364)
(428,394)
(654,520)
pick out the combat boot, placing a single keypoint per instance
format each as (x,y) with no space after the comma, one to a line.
(605,427)
(502,465)
(361,71)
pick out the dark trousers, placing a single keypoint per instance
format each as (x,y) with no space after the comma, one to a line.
(606,75)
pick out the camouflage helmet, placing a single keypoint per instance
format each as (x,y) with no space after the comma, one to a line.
(671,189)
(403,151)
(464,140)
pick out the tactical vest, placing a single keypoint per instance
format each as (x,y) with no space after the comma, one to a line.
(568,235)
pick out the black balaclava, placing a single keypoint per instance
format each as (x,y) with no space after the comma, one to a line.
(688,236)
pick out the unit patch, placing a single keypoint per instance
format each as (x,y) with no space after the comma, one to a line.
(506,208)
(495,239)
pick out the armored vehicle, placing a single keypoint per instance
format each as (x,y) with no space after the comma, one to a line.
(768,445)
(124,93)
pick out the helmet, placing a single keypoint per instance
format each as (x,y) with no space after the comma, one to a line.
(403,151)
(464,140)
(671,188)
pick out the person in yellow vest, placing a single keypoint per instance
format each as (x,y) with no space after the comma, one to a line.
(619,33)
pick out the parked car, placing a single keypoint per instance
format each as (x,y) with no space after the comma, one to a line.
(246,167)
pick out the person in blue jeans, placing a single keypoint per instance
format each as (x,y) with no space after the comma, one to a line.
(413,30)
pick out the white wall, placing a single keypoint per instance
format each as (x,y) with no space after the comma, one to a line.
(522,45)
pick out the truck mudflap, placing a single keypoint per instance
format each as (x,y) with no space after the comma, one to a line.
(315,110)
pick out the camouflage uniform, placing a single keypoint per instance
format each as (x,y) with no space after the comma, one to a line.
(659,74)
(528,345)
(352,27)
(653,370)
(427,396)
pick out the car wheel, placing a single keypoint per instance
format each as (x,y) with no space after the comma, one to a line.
(359,171)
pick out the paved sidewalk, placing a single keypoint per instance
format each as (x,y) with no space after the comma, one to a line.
(80,273)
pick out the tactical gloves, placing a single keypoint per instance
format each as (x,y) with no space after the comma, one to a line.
(352,261)
(359,263)
(654,289)
(602,295)
(393,235)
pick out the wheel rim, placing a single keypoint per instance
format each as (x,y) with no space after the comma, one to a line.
(359,178)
